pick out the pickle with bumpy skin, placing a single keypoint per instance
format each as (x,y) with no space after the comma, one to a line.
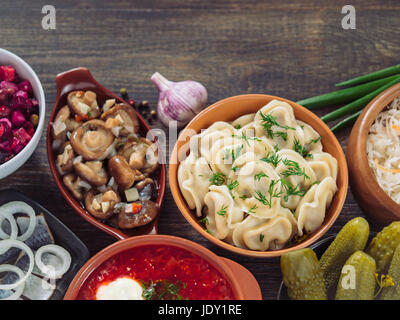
(383,246)
(352,237)
(393,292)
(357,281)
(302,275)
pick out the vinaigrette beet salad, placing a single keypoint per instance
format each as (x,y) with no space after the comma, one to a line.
(156,272)
(19,111)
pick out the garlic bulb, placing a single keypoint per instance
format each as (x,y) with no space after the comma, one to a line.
(178,101)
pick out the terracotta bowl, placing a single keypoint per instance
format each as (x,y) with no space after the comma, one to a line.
(82,79)
(243,283)
(367,192)
(230,109)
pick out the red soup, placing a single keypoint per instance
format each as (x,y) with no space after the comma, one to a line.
(163,272)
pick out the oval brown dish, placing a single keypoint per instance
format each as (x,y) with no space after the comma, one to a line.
(243,284)
(82,79)
(367,192)
(230,109)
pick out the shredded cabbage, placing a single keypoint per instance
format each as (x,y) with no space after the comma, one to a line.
(383,149)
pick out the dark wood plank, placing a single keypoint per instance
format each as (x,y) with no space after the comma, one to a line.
(285,48)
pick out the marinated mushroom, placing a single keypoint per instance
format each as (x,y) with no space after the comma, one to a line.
(92,140)
(73,183)
(92,172)
(102,205)
(119,169)
(121,120)
(64,160)
(146,188)
(141,154)
(137,214)
(84,104)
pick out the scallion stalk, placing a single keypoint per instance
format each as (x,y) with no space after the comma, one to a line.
(357,104)
(344,95)
(371,76)
(346,122)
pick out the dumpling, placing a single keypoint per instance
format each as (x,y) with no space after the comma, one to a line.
(194,180)
(280,127)
(202,143)
(310,212)
(297,177)
(243,121)
(265,234)
(221,212)
(312,139)
(255,186)
(224,152)
(324,165)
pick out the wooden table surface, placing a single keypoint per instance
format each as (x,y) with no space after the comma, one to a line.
(292,49)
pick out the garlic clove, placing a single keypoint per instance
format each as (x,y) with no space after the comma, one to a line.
(178,101)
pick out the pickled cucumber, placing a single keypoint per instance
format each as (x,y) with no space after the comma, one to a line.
(383,246)
(357,281)
(302,275)
(352,237)
(393,292)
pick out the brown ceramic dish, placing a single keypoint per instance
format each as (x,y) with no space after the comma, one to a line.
(82,79)
(243,283)
(232,108)
(367,192)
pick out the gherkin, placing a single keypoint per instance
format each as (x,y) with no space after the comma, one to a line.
(383,245)
(352,237)
(357,280)
(393,292)
(302,275)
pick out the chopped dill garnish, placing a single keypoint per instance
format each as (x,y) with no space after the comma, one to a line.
(218,179)
(293,169)
(301,150)
(233,153)
(238,126)
(222,211)
(314,140)
(235,168)
(276,148)
(272,193)
(233,185)
(261,237)
(292,190)
(272,158)
(203,220)
(246,138)
(269,121)
(253,209)
(260,175)
(244,197)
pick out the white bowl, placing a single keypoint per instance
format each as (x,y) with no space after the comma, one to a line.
(25,72)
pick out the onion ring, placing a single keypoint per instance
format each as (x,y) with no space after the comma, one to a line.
(11,268)
(49,270)
(13,207)
(7,244)
(14,228)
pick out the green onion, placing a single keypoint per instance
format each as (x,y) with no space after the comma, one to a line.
(344,95)
(346,122)
(357,104)
(371,76)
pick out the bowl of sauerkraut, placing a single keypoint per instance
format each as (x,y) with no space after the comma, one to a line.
(258,175)
(373,155)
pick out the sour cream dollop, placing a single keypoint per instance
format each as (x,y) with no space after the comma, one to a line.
(120,289)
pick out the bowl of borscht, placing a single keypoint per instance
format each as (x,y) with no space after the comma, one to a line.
(161,267)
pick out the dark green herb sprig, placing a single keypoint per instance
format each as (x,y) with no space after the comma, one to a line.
(162,290)
(269,121)
(293,169)
(301,150)
(246,138)
(272,158)
(234,153)
(258,176)
(292,190)
(218,179)
(222,211)
(273,192)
